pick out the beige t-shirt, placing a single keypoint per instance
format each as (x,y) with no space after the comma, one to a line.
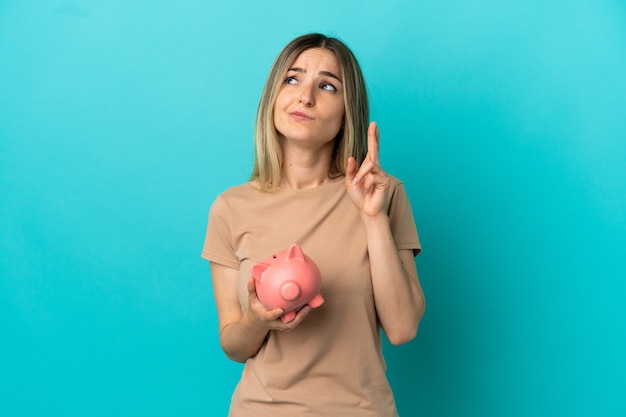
(332,363)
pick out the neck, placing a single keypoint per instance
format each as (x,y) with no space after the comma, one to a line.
(298,177)
(305,169)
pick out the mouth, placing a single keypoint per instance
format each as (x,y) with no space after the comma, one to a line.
(300,117)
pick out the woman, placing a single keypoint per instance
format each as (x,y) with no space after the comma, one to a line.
(317,182)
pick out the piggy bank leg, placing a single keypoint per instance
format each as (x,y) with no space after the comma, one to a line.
(288,316)
(317,301)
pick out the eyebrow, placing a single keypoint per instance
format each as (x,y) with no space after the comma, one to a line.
(327,73)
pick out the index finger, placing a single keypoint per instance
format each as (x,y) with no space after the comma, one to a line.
(373,142)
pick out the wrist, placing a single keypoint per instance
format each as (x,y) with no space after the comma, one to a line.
(374,219)
(376,227)
(250,323)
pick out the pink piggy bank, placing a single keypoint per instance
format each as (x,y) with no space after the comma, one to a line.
(288,280)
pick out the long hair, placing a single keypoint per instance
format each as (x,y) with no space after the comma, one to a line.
(352,137)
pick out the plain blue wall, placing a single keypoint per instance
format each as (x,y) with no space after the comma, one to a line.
(121,121)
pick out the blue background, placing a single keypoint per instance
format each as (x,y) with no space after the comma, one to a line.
(121,121)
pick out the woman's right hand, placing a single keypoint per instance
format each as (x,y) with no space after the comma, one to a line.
(243,333)
(264,320)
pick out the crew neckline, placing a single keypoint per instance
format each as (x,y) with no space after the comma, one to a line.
(330,185)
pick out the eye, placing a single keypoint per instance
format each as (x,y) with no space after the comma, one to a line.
(291,80)
(328,87)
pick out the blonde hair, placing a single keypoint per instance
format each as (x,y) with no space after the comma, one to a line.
(352,137)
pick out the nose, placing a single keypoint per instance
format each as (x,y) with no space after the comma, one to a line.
(307,96)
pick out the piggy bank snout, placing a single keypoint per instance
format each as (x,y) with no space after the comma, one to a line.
(290,290)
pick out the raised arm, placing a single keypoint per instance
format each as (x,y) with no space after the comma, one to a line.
(398,295)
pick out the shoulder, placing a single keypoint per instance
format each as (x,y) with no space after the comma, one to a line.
(233,197)
(394,181)
(398,194)
(238,192)
(395,184)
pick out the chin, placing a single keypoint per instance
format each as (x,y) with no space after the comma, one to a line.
(296,134)
(308,139)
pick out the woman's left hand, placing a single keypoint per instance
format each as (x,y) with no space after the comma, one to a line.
(368,187)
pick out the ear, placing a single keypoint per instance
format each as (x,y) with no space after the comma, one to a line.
(258,269)
(294,252)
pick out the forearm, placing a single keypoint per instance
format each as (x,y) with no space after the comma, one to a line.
(242,340)
(397,293)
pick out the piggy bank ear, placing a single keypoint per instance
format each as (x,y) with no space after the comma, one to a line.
(294,252)
(258,269)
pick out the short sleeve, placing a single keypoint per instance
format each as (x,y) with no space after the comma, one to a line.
(218,242)
(402,221)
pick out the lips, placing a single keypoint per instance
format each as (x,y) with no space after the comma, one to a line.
(300,117)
